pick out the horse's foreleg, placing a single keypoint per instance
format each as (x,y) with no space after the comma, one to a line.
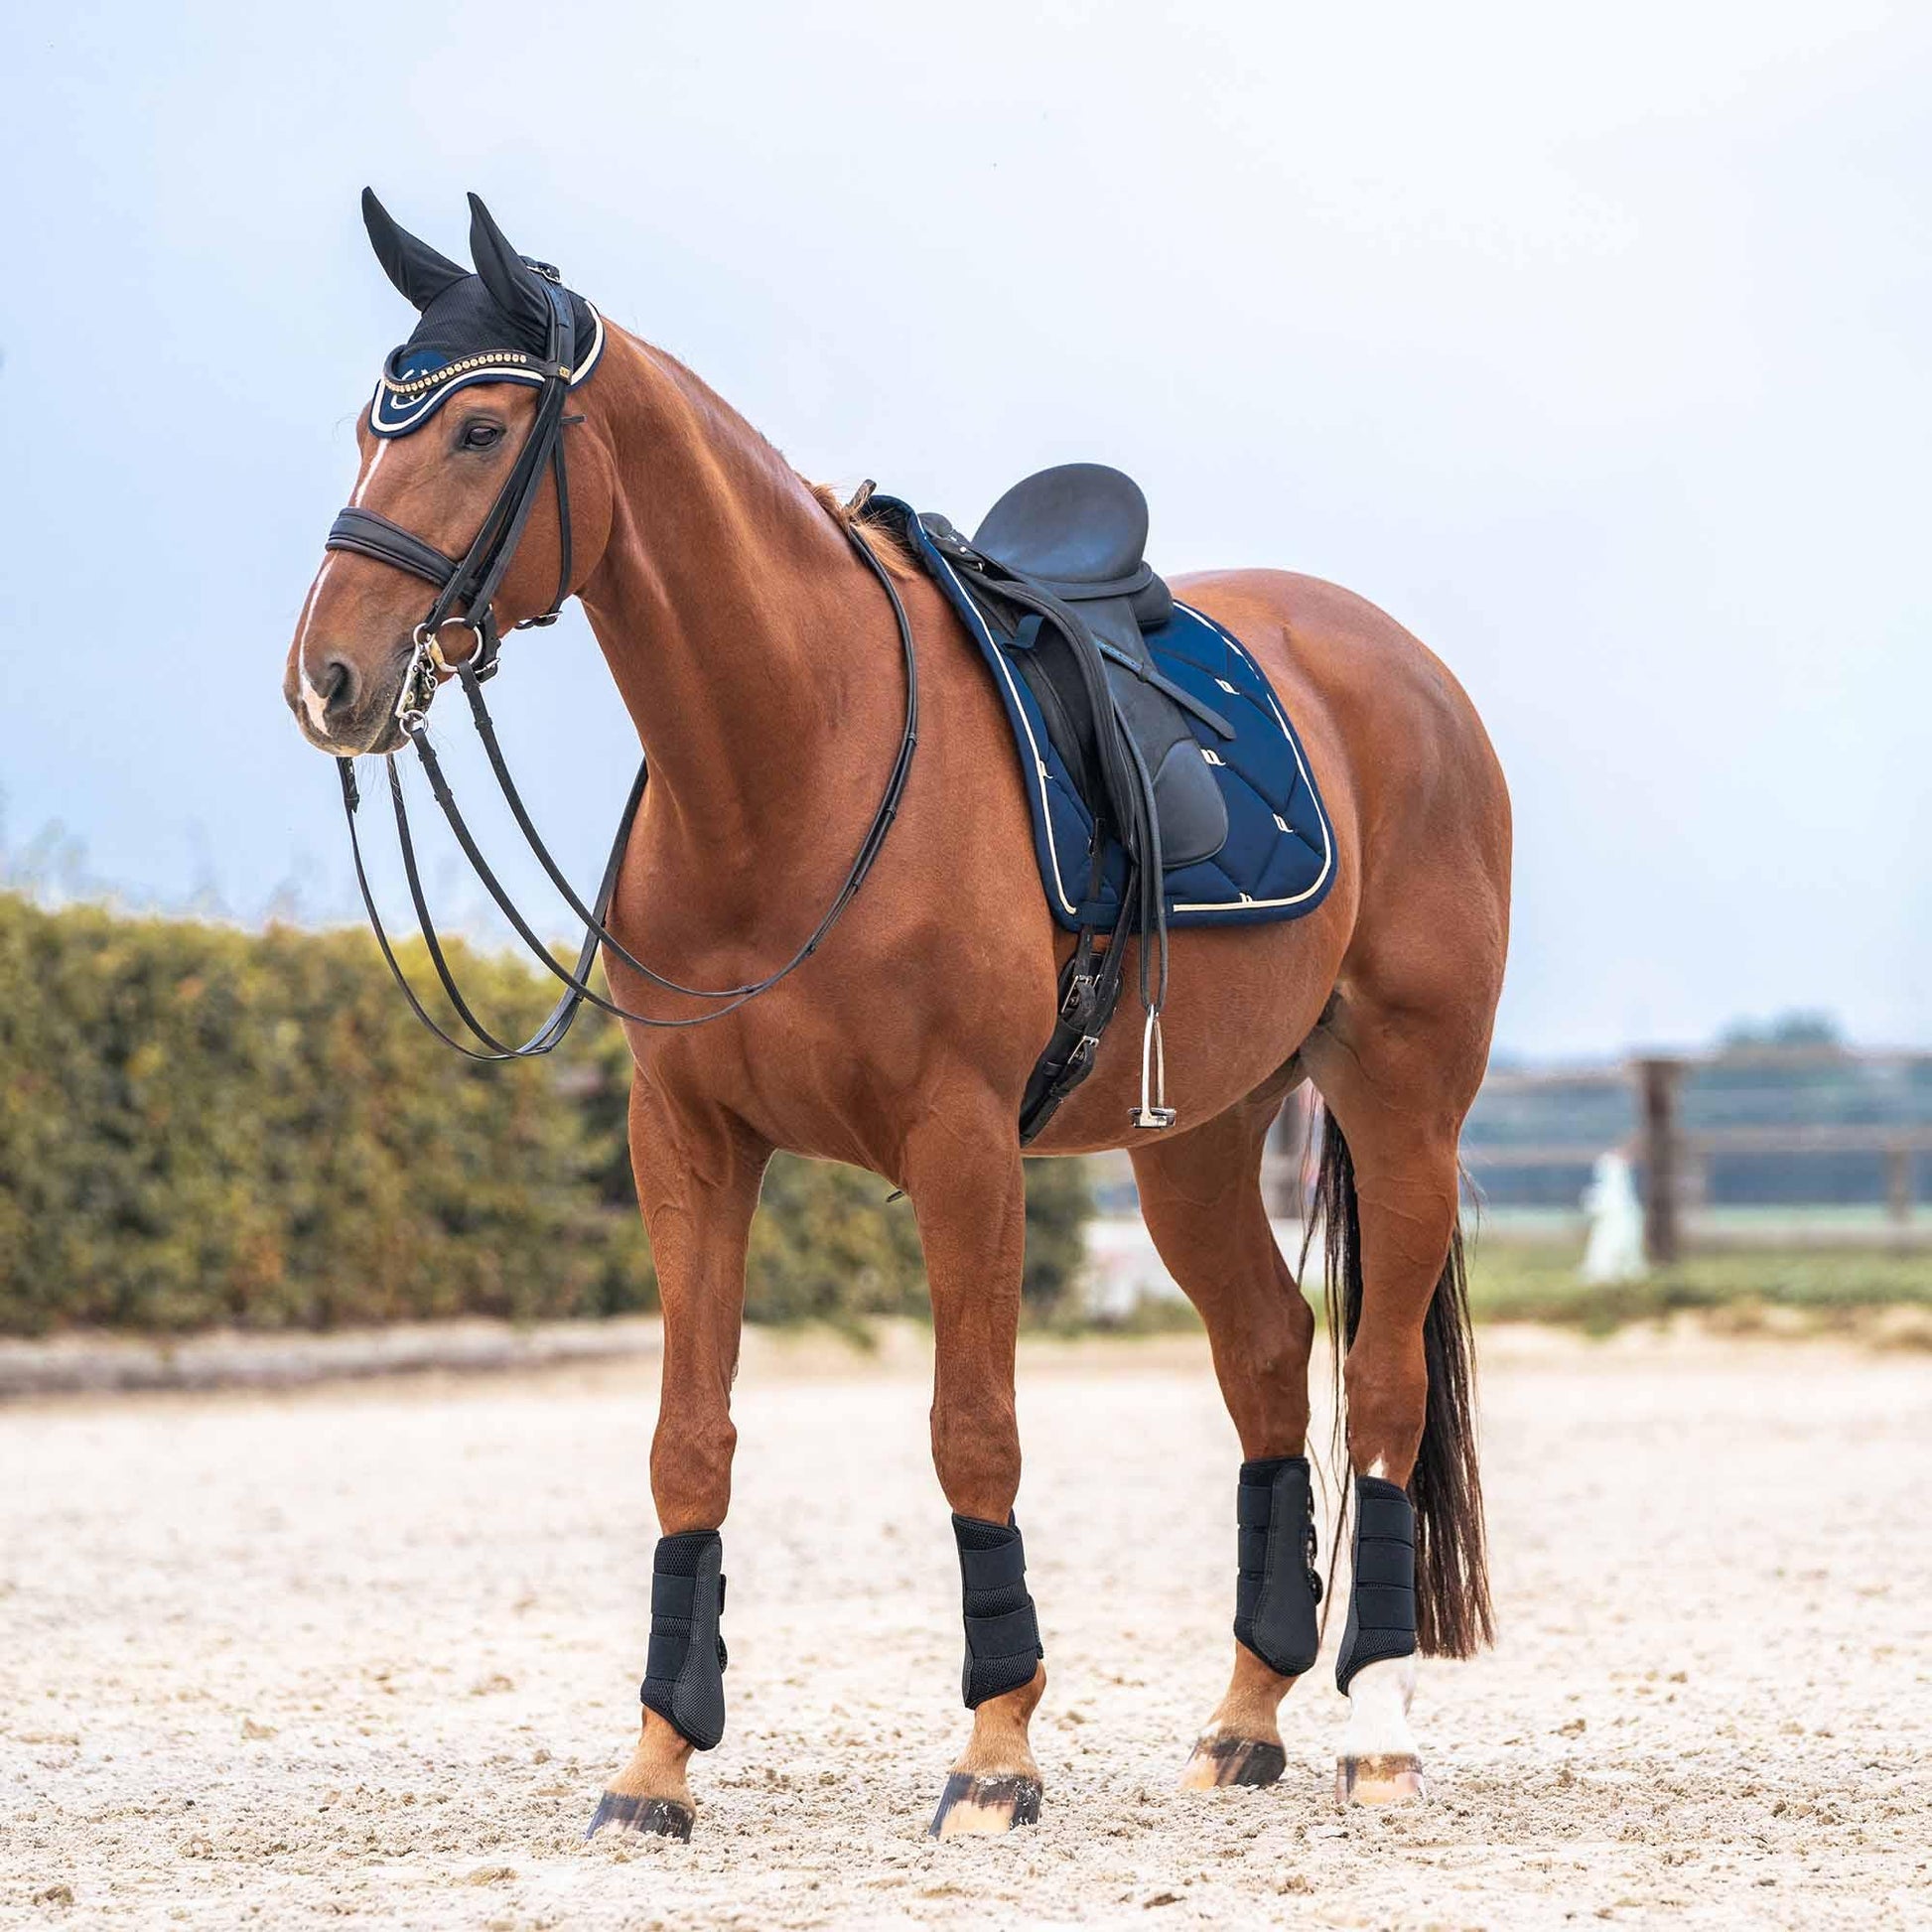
(698,1182)
(1200,1196)
(970,1203)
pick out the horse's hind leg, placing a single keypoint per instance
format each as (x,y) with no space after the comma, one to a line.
(1200,1195)
(1397,1076)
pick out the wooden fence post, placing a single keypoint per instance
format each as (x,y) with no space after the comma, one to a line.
(1898,1185)
(1658,1081)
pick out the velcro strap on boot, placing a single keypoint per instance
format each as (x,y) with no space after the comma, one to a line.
(1382,1596)
(684,1675)
(1277,1586)
(1003,1647)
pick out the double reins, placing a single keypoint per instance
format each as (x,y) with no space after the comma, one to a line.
(472,582)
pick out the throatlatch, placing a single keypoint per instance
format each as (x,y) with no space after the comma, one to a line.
(684,1677)
(1277,1585)
(1382,1598)
(1003,1647)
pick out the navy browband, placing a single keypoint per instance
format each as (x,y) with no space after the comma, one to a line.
(415,384)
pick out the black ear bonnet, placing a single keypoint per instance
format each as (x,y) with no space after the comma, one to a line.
(498,325)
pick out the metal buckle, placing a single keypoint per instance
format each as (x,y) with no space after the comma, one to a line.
(418,688)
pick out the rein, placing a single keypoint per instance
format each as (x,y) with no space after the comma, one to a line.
(472,582)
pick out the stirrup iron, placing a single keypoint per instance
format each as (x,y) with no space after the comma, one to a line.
(1154,1112)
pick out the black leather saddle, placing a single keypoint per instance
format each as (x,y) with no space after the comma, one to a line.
(1058,566)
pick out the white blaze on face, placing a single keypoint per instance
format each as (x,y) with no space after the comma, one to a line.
(311,700)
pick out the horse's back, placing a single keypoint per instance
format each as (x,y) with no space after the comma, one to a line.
(1401,755)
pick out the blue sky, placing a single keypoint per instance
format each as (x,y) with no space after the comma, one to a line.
(1592,347)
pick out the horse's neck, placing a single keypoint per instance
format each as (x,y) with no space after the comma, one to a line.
(721,604)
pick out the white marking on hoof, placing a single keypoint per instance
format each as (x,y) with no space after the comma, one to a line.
(1378,1764)
(1379,1781)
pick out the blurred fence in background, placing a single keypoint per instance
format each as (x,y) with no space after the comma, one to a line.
(1764,1146)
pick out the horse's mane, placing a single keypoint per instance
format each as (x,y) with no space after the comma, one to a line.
(878,537)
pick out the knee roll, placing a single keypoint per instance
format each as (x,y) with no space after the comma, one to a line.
(1003,1647)
(1382,1597)
(684,1676)
(1277,1585)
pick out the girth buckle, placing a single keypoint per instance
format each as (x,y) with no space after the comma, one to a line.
(1079,995)
(1080,1061)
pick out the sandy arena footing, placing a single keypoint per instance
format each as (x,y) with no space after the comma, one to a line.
(368,1652)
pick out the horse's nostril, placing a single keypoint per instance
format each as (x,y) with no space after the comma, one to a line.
(337,685)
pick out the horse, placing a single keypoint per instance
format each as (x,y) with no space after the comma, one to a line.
(741,613)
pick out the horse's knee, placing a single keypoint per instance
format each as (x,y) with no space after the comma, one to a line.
(976,1454)
(691,1469)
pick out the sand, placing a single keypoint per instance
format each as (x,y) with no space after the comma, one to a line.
(368,1651)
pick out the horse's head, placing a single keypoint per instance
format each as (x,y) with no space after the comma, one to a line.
(441,446)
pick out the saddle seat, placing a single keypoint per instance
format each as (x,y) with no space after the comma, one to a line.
(1079,532)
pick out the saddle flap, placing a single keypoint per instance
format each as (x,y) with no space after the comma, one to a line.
(1188,809)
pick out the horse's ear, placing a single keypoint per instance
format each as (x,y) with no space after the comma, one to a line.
(418,271)
(512,284)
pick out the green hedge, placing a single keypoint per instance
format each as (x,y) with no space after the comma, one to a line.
(202,1126)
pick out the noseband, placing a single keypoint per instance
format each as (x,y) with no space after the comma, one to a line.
(464,589)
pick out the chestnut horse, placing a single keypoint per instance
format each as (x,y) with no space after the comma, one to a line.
(762,667)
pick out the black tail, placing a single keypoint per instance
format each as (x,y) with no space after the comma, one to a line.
(1454,1617)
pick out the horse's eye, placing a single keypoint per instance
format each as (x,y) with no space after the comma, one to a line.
(480,436)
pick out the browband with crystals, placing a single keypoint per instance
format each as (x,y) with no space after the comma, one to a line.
(407,396)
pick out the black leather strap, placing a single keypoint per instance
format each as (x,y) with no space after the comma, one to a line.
(598,934)
(1126,787)
(370,536)
(1277,1585)
(470,582)
(548,1036)
(1382,1593)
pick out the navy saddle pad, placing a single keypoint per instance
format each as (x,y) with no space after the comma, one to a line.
(1278,861)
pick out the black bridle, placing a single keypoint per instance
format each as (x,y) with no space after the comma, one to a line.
(464,589)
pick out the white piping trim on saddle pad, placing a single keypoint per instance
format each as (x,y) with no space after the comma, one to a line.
(1046,803)
(1033,743)
(1300,765)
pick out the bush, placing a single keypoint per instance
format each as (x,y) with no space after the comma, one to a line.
(200,1126)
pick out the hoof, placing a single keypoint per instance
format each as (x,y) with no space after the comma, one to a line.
(974,1804)
(1232,1760)
(1388,1779)
(642,1817)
